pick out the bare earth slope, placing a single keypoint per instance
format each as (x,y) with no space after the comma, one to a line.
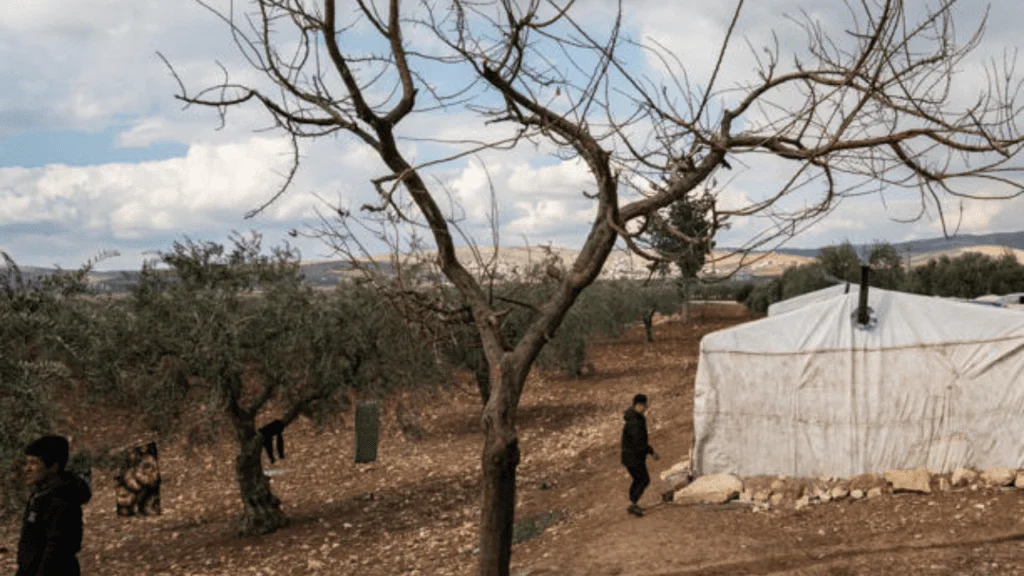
(415,511)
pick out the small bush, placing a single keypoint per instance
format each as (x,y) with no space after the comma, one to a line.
(529,528)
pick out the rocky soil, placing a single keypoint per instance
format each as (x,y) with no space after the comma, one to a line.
(415,510)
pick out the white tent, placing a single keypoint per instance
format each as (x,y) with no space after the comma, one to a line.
(790,304)
(932,382)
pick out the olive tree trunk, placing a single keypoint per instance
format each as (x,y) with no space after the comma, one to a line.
(261,509)
(649,324)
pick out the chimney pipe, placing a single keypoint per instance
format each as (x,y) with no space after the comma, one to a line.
(862,309)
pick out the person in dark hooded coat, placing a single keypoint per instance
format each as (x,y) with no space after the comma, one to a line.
(51,530)
(635,450)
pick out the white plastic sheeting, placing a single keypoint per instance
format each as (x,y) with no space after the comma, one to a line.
(933,383)
(790,304)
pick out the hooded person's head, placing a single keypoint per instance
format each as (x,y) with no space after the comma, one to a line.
(640,403)
(46,457)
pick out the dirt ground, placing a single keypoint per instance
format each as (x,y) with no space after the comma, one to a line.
(415,510)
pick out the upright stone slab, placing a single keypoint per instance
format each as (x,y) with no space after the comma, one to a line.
(367,431)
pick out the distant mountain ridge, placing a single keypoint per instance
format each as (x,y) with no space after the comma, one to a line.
(1013,240)
(620,264)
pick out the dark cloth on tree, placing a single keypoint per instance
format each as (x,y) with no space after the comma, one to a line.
(51,530)
(274,429)
(634,439)
(641,480)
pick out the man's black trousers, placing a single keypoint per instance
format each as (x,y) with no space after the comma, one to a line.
(641,480)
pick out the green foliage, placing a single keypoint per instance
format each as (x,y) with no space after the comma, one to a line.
(764,295)
(605,309)
(842,262)
(234,329)
(683,237)
(969,275)
(30,374)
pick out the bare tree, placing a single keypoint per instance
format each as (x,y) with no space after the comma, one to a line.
(869,109)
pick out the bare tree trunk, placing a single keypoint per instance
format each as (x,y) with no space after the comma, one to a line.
(261,509)
(686,299)
(483,382)
(499,462)
(649,324)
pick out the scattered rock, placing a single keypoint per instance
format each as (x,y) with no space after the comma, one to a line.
(1019,480)
(874,492)
(819,489)
(678,476)
(944,484)
(857,494)
(712,489)
(917,480)
(802,502)
(762,496)
(746,496)
(678,481)
(998,476)
(963,477)
(825,498)
(775,500)
(679,468)
(839,492)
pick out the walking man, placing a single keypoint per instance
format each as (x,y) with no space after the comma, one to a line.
(51,531)
(635,450)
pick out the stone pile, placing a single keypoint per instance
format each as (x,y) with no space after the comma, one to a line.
(768,492)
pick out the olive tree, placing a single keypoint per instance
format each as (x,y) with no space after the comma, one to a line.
(870,105)
(237,332)
(33,350)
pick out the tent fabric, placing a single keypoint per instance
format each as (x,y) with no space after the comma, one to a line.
(790,304)
(808,392)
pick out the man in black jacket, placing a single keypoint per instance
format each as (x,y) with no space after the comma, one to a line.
(635,450)
(51,531)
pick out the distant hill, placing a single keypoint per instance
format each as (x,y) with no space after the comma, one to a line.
(1013,240)
(621,264)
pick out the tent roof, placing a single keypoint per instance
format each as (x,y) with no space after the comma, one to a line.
(790,304)
(826,322)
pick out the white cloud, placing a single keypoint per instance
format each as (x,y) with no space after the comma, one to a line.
(212,184)
(92,63)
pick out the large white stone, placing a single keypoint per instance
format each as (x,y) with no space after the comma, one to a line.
(916,480)
(679,468)
(999,476)
(962,477)
(839,492)
(711,489)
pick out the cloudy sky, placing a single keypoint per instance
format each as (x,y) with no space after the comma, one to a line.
(95,153)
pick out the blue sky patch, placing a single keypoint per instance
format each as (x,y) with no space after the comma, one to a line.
(79,148)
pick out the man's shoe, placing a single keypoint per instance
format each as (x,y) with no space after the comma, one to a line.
(635,510)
